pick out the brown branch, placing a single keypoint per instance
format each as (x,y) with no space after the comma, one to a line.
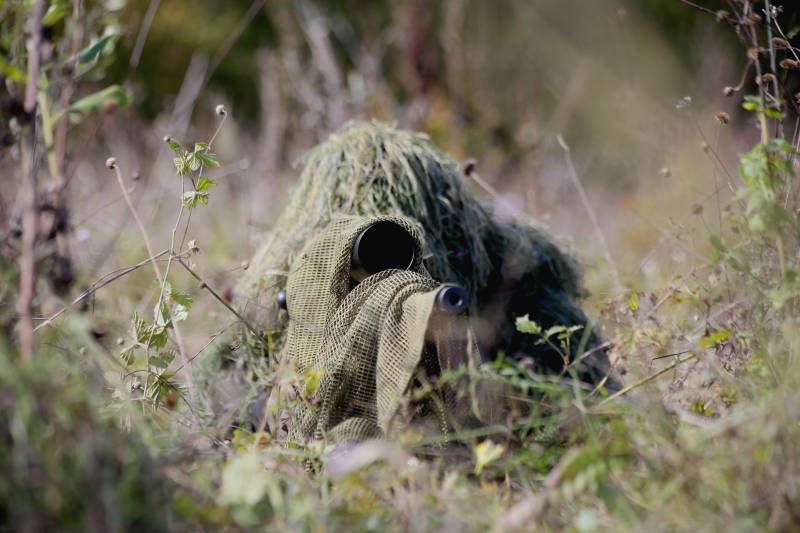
(27,261)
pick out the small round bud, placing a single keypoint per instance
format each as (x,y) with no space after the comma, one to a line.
(768,78)
(136,176)
(120,341)
(723,117)
(789,64)
(705,147)
(752,53)
(220,110)
(202,285)
(167,138)
(244,265)
(665,172)
(722,15)
(82,350)
(111,163)
(728,91)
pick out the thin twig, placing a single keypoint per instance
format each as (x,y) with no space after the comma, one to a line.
(646,379)
(204,285)
(213,338)
(573,174)
(97,285)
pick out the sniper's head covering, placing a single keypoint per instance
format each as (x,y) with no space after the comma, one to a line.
(508,267)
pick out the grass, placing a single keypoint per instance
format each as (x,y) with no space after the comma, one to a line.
(99,430)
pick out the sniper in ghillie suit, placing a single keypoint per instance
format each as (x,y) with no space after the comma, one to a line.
(381,292)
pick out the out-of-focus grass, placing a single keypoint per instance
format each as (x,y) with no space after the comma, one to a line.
(708,445)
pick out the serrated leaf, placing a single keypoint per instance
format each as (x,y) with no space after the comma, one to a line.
(183,298)
(127,355)
(194,161)
(181,165)
(163,359)
(204,184)
(191,198)
(176,147)
(208,159)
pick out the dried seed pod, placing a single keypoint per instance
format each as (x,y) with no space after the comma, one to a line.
(766,78)
(723,117)
(789,64)
(779,43)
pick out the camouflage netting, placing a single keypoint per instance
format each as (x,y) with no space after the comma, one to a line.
(364,341)
(509,267)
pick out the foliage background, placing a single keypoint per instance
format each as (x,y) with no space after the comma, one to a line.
(636,91)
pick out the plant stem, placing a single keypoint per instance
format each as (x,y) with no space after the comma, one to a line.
(205,285)
(30,218)
(647,379)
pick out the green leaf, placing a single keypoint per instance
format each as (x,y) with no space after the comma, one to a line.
(161,314)
(163,359)
(633,302)
(204,184)
(14,73)
(179,312)
(714,338)
(208,159)
(485,453)
(181,165)
(526,325)
(147,334)
(183,298)
(91,52)
(176,147)
(562,331)
(127,355)
(194,161)
(110,97)
(311,381)
(191,198)
(55,12)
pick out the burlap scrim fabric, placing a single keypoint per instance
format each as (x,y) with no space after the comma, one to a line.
(368,342)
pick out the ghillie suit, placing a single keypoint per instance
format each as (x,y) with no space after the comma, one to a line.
(509,268)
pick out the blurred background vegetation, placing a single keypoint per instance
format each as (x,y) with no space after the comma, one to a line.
(635,89)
